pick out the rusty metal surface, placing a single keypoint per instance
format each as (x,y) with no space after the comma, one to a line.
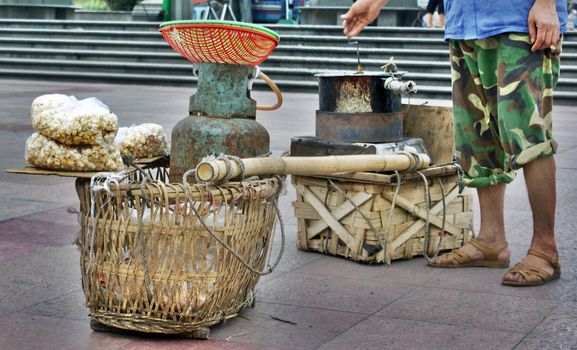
(197,136)
(356,94)
(222,91)
(359,127)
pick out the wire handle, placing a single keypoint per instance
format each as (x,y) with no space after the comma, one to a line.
(276,91)
(272,267)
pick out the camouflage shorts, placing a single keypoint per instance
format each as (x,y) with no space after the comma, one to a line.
(502,105)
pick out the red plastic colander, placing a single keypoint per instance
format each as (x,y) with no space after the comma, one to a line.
(220,41)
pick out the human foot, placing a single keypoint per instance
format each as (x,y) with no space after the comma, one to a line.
(535,269)
(477,253)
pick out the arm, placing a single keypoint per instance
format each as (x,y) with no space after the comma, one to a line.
(543,24)
(360,15)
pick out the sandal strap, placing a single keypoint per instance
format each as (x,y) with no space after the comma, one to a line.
(552,259)
(460,257)
(531,274)
(489,253)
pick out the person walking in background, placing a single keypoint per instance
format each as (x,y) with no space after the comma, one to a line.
(433,5)
(505,63)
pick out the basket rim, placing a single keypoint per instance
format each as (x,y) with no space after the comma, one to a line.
(233,24)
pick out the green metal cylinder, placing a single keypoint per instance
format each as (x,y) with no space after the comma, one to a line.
(195,137)
(221,119)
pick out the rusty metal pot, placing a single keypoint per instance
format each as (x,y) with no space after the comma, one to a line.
(357,108)
(357,93)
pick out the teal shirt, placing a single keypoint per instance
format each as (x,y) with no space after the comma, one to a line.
(479,19)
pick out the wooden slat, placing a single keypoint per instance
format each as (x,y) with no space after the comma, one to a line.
(326,215)
(339,213)
(411,231)
(422,213)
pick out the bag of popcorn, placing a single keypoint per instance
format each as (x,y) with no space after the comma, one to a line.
(84,122)
(142,141)
(46,153)
(47,102)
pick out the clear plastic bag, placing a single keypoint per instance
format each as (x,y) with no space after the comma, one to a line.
(85,122)
(46,153)
(47,102)
(142,141)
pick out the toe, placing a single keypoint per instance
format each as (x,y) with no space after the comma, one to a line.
(513,277)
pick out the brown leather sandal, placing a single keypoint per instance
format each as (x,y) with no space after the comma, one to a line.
(459,259)
(534,276)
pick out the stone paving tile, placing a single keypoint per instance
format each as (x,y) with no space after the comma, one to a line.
(568,264)
(567,159)
(70,306)
(37,232)
(565,138)
(23,332)
(286,327)
(188,344)
(58,216)
(490,311)
(567,205)
(13,250)
(410,272)
(566,232)
(566,181)
(341,294)
(292,258)
(557,331)
(21,207)
(64,193)
(486,280)
(379,332)
(32,279)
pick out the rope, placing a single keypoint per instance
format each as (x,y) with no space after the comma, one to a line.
(359,211)
(427,236)
(460,174)
(142,242)
(108,178)
(390,218)
(227,159)
(223,243)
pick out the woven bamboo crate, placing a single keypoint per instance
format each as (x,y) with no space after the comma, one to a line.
(329,223)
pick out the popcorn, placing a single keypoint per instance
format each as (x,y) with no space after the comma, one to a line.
(142,141)
(46,153)
(86,122)
(47,102)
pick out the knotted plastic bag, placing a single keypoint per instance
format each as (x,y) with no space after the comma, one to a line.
(74,122)
(46,153)
(142,141)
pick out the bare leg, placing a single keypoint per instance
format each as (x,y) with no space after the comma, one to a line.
(541,187)
(492,231)
(428,19)
(442,20)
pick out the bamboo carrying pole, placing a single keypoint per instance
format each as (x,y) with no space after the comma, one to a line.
(219,169)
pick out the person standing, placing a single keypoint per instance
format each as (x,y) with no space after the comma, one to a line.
(505,65)
(432,6)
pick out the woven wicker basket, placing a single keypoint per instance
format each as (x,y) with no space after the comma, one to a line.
(352,218)
(148,264)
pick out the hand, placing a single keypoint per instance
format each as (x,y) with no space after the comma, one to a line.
(543,24)
(360,15)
